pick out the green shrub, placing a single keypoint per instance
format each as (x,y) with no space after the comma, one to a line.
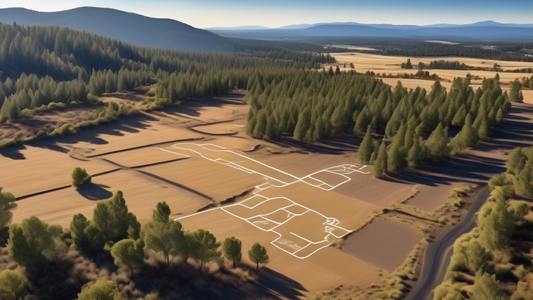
(26,113)
(80,177)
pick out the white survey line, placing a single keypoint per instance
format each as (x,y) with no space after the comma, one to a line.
(331,224)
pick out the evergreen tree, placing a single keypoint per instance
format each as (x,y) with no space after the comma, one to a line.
(7,204)
(515,94)
(78,231)
(394,159)
(13,285)
(487,287)
(437,143)
(80,177)
(113,220)
(258,255)
(232,249)
(128,253)
(102,290)
(204,246)
(366,148)
(163,236)
(483,129)
(415,156)
(380,165)
(33,243)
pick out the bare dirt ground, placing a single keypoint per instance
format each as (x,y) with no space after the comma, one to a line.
(384,243)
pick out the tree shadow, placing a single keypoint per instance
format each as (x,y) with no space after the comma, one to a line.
(479,164)
(13,152)
(270,283)
(94,192)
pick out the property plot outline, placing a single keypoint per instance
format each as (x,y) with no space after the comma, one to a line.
(330,224)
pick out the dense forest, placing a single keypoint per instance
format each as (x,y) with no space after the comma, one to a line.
(510,51)
(43,65)
(313,105)
(491,262)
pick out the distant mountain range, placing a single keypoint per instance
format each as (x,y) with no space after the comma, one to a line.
(127,27)
(485,31)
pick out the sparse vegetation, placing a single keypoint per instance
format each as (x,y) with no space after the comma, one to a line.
(489,255)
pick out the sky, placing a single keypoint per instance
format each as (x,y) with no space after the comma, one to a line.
(276,13)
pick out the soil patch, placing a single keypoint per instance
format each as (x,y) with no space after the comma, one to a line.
(384,243)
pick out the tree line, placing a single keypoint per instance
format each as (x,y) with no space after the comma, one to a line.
(443,64)
(396,121)
(491,254)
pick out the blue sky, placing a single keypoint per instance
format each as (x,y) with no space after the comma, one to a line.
(275,13)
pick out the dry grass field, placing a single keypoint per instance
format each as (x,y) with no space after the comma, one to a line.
(392,65)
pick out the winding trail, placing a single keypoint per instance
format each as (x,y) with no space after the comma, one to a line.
(435,258)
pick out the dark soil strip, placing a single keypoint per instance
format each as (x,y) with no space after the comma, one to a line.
(193,128)
(146,165)
(145,146)
(43,192)
(106,172)
(177,185)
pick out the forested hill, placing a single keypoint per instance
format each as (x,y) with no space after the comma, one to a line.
(127,27)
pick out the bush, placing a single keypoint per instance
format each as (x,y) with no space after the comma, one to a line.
(92,99)
(26,113)
(62,130)
(12,284)
(80,177)
(101,290)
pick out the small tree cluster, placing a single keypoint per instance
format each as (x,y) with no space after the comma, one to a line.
(407,65)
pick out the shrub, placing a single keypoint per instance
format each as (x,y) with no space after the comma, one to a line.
(80,177)
(101,290)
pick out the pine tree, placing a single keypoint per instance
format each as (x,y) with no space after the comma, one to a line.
(487,287)
(303,124)
(366,148)
(408,64)
(515,92)
(258,255)
(394,159)
(7,204)
(232,249)
(128,253)
(415,156)
(483,130)
(437,143)
(380,165)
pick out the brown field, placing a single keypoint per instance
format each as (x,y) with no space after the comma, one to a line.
(214,180)
(140,191)
(384,243)
(42,166)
